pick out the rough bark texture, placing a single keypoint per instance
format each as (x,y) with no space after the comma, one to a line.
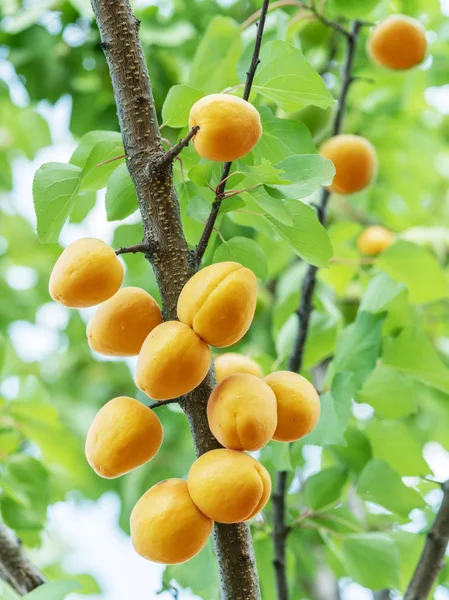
(15,568)
(172,261)
(432,558)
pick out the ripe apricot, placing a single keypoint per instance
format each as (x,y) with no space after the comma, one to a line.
(121,324)
(87,272)
(229,486)
(375,239)
(231,363)
(298,405)
(219,302)
(355,162)
(229,127)
(124,435)
(242,412)
(172,362)
(398,43)
(166,526)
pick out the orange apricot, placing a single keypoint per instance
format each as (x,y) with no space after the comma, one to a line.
(166,526)
(121,324)
(124,435)
(375,239)
(231,363)
(398,43)
(242,412)
(87,272)
(298,405)
(355,162)
(219,302)
(229,127)
(172,362)
(229,486)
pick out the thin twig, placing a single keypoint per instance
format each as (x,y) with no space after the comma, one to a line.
(170,156)
(106,162)
(431,560)
(210,223)
(145,248)
(163,403)
(304,312)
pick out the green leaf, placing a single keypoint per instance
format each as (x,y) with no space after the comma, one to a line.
(410,548)
(412,353)
(307,172)
(321,339)
(307,236)
(389,392)
(262,173)
(245,251)
(358,346)
(418,269)
(95,174)
(379,483)
(287,79)
(357,451)
(280,456)
(83,205)
(354,9)
(215,63)
(55,590)
(275,207)
(198,208)
(281,138)
(55,187)
(394,442)
(7,593)
(177,105)
(381,291)
(88,142)
(328,430)
(324,488)
(199,574)
(372,560)
(121,199)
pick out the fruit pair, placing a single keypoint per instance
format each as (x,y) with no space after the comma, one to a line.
(215,307)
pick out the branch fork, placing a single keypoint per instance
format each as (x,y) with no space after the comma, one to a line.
(173,153)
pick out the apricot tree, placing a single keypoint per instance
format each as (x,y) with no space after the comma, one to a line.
(368,332)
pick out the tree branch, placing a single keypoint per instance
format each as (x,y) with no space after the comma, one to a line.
(15,567)
(170,156)
(170,257)
(154,405)
(432,558)
(210,223)
(145,248)
(304,312)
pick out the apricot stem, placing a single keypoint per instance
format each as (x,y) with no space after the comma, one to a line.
(163,403)
(145,248)
(170,156)
(210,223)
(106,162)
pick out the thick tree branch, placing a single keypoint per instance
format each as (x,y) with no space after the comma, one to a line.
(170,156)
(210,223)
(15,567)
(304,312)
(171,259)
(432,558)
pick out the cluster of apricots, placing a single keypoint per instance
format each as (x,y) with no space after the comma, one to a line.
(172,521)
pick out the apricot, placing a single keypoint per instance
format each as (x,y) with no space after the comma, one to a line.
(166,526)
(242,412)
(87,272)
(124,435)
(229,486)
(298,405)
(231,363)
(172,362)
(398,43)
(219,302)
(375,239)
(229,127)
(121,324)
(355,162)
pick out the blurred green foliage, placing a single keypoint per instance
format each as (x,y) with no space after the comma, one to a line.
(379,333)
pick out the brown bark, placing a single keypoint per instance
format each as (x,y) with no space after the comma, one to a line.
(172,261)
(15,568)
